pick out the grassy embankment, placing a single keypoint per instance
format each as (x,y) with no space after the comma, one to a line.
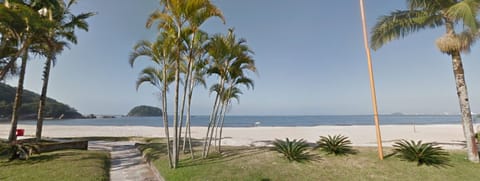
(58,165)
(247,163)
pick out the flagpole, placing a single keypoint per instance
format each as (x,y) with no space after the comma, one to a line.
(372,82)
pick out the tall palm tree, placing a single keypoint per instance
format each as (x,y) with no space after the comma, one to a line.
(230,59)
(171,18)
(66,23)
(424,14)
(35,26)
(195,76)
(196,13)
(159,53)
(179,17)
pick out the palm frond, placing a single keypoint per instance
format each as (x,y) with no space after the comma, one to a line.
(466,11)
(294,150)
(400,24)
(422,153)
(337,145)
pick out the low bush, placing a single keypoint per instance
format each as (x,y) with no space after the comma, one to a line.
(337,145)
(422,153)
(294,150)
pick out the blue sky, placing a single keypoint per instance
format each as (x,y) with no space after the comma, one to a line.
(309,53)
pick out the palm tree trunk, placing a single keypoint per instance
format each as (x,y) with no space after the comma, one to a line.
(472,149)
(43,97)
(165,114)
(175,114)
(222,112)
(215,118)
(10,64)
(18,99)
(221,128)
(7,67)
(188,132)
(185,93)
(222,108)
(186,87)
(182,110)
(210,124)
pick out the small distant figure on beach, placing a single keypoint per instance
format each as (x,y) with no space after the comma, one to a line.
(257,123)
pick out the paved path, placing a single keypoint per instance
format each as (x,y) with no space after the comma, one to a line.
(126,161)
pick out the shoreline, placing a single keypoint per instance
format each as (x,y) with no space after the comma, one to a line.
(449,136)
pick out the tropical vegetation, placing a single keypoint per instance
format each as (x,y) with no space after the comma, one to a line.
(182,56)
(54,42)
(260,163)
(40,27)
(422,153)
(337,145)
(294,150)
(459,19)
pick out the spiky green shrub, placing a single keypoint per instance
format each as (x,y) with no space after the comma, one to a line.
(294,150)
(338,145)
(422,153)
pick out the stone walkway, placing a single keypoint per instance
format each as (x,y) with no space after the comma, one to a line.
(126,161)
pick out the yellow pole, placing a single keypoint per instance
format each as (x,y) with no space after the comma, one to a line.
(372,82)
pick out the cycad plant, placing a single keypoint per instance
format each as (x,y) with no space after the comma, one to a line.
(337,145)
(294,150)
(422,153)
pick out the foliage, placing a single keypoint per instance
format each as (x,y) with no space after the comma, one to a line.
(30,104)
(259,163)
(338,145)
(293,150)
(422,153)
(459,18)
(145,111)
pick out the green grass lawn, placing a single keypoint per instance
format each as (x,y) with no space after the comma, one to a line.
(59,165)
(247,163)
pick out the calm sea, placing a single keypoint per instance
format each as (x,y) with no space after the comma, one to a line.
(249,121)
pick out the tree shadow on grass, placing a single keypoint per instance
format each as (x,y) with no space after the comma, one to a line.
(152,151)
(227,154)
(35,159)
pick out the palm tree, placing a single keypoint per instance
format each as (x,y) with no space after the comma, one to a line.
(231,93)
(65,29)
(197,12)
(424,14)
(180,17)
(34,26)
(195,76)
(230,59)
(159,53)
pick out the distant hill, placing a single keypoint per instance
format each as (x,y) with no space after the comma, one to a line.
(53,108)
(145,111)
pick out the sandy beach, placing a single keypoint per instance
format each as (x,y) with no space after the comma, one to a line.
(448,136)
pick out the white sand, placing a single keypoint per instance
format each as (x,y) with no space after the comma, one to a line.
(449,136)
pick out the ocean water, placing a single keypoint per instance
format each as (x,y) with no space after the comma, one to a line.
(250,121)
